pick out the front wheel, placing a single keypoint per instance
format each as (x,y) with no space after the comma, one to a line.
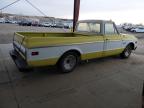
(68,62)
(127,52)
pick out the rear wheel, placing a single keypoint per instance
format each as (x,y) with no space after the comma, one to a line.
(127,51)
(68,62)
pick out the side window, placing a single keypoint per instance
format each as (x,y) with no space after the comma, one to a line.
(83,27)
(94,27)
(110,29)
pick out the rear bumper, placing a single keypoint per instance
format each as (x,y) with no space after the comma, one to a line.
(19,61)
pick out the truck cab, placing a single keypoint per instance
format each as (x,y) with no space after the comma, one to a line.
(112,42)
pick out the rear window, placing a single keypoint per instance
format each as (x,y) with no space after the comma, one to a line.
(94,27)
(88,27)
(83,27)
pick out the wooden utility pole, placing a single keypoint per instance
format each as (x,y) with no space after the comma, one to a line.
(76,13)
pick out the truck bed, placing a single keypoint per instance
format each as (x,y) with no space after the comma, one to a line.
(35,39)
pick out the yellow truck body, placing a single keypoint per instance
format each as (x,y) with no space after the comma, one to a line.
(43,49)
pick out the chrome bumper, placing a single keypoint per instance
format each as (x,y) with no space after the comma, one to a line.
(19,61)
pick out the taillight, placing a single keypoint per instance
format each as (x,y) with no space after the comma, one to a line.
(35,53)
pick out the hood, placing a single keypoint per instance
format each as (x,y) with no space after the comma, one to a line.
(129,36)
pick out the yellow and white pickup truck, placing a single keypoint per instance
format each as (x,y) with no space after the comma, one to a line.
(91,39)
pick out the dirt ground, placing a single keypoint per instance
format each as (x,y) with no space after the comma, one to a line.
(102,83)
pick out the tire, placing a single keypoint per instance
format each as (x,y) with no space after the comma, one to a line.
(68,62)
(127,52)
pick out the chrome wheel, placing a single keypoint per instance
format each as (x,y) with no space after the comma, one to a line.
(127,52)
(69,62)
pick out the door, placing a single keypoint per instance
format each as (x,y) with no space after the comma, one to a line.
(112,40)
(94,41)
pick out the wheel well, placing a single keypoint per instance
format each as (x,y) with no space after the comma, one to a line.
(132,45)
(74,51)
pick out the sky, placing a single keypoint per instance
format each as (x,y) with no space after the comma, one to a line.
(119,11)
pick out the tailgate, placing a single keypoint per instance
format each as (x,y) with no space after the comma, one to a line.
(18,40)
